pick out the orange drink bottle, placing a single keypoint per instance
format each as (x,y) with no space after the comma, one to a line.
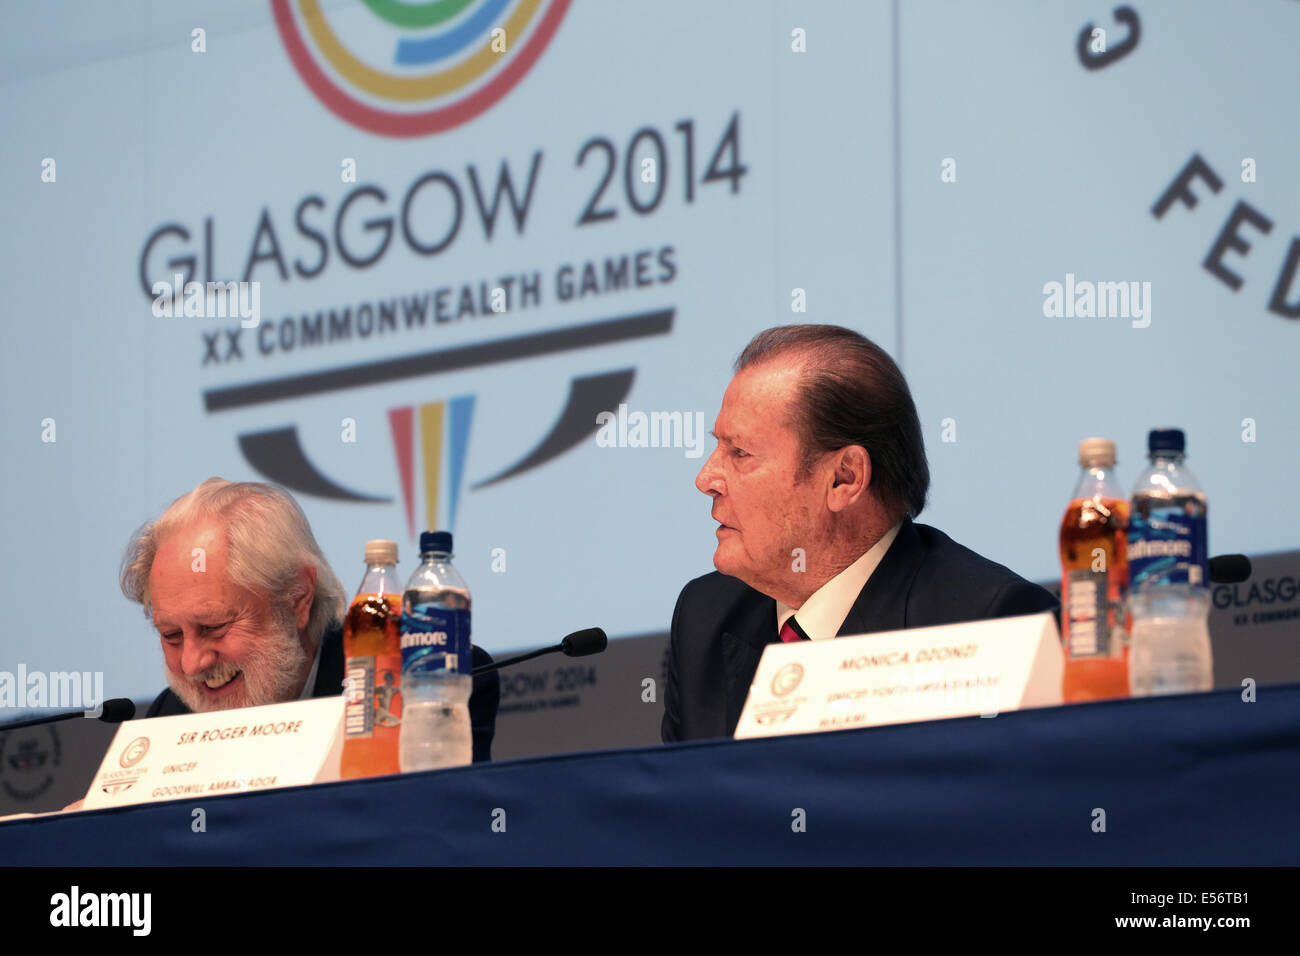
(372,672)
(1094,579)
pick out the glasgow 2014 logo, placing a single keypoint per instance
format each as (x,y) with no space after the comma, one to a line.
(411,69)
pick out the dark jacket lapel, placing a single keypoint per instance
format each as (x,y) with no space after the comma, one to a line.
(747,632)
(329,674)
(882,604)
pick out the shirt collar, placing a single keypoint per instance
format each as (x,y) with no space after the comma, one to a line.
(822,614)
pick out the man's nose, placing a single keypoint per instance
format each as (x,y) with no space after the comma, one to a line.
(196,656)
(709,480)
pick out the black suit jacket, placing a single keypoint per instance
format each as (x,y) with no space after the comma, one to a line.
(483,699)
(721,625)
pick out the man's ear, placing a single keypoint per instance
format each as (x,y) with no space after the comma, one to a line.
(850,478)
(304,593)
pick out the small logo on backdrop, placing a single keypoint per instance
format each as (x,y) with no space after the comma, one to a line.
(29,757)
(415,68)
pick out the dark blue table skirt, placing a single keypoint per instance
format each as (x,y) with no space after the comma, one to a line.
(1200,779)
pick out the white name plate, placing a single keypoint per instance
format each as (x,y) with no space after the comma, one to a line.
(927,673)
(193,756)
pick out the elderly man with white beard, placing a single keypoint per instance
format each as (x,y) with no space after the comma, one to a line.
(247,608)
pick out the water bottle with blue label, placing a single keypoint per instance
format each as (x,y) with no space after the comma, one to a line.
(1168,562)
(436,661)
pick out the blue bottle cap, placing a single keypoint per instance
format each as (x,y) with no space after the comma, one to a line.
(1166,439)
(438,541)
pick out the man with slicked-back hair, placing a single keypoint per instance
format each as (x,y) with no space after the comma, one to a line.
(818,473)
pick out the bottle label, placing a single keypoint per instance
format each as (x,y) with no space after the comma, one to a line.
(1087,621)
(435,638)
(358,689)
(372,693)
(1167,542)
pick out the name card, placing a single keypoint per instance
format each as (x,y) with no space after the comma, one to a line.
(893,677)
(194,756)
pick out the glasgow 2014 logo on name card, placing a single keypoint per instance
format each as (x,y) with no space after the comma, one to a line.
(134,752)
(410,69)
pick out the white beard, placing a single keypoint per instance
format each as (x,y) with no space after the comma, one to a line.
(271,672)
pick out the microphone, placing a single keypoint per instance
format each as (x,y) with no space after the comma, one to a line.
(1229,568)
(590,640)
(111,712)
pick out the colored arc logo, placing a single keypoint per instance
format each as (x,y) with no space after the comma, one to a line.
(433,438)
(450,59)
(434,419)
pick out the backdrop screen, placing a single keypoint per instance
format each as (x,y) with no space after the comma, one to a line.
(456,237)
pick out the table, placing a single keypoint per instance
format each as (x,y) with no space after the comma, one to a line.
(1198,779)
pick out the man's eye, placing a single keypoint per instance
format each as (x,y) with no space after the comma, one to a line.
(739,453)
(172,637)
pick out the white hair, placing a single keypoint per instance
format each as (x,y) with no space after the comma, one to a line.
(269,542)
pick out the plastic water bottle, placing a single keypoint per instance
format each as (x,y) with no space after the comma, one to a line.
(1170,651)
(436,661)
(1168,558)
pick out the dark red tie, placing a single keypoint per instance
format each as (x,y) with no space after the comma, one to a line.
(789,634)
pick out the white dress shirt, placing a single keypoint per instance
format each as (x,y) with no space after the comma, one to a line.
(824,612)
